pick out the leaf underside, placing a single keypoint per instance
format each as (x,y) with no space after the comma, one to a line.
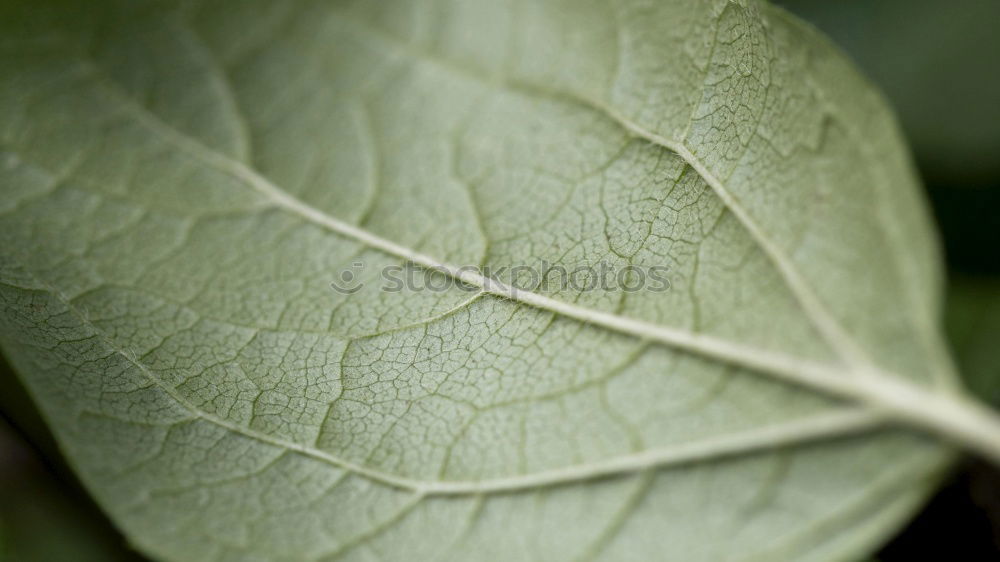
(183,182)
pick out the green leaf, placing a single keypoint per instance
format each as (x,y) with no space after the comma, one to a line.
(183,183)
(973,326)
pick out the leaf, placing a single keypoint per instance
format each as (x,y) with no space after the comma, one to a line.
(973,325)
(184,182)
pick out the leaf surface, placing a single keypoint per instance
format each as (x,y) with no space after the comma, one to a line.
(183,183)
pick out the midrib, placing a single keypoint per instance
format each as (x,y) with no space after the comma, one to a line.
(829,379)
(890,395)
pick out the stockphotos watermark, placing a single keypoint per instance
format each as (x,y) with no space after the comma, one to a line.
(541,277)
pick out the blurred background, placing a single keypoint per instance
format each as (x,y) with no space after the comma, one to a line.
(939,64)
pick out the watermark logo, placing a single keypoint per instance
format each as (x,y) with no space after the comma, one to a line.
(349,280)
(542,277)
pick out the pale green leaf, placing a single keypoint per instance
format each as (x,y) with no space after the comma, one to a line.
(182,183)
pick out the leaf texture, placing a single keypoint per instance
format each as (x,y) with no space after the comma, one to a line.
(183,182)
